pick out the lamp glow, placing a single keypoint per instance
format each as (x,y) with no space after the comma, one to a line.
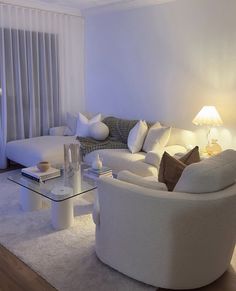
(208,116)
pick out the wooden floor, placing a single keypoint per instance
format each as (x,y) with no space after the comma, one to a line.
(226,283)
(11,167)
(17,276)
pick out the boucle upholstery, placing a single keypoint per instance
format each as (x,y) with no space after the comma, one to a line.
(209,175)
(28,152)
(146,182)
(122,159)
(165,239)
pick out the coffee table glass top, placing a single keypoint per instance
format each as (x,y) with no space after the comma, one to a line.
(57,189)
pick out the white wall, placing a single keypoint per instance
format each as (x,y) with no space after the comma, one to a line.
(164,62)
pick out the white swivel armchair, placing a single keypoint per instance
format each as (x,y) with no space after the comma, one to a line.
(165,239)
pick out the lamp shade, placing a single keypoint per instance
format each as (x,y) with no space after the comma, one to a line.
(208,115)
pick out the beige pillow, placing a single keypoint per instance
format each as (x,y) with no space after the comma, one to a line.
(157,136)
(131,178)
(171,169)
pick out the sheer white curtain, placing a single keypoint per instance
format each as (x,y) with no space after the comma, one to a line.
(40,71)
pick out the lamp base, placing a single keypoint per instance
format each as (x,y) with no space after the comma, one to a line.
(213,148)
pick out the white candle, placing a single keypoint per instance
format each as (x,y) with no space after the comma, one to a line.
(69,156)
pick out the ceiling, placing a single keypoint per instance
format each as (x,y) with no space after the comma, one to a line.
(82,4)
(86,4)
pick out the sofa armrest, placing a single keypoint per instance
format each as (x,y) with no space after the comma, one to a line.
(147,182)
(57,131)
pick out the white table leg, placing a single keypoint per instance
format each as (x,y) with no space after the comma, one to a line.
(62,214)
(29,200)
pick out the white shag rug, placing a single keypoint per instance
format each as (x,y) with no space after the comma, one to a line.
(66,259)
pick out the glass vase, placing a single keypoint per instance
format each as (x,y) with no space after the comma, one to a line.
(72,166)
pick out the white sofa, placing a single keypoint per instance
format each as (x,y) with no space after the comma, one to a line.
(123,159)
(165,239)
(29,152)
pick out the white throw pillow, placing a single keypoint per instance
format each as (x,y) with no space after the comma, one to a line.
(83,124)
(136,136)
(98,130)
(71,122)
(157,136)
(210,175)
(131,178)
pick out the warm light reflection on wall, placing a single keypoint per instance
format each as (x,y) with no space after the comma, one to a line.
(225,137)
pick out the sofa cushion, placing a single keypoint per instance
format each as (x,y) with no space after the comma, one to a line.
(28,152)
(171,169)
(136,136)
(122,159)
(129,177)
(210,175)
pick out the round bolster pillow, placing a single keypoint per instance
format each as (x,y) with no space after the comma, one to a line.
(98,131)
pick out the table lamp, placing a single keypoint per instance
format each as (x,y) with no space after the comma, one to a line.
(210,117)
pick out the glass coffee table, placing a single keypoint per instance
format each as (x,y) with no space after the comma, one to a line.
(59,191)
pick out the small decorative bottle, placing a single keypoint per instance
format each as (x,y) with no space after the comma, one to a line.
(97,163)
(213,148)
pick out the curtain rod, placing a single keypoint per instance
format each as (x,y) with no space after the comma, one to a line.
(40,9)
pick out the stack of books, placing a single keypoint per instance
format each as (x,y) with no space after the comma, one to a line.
(33,173)
(98,173)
